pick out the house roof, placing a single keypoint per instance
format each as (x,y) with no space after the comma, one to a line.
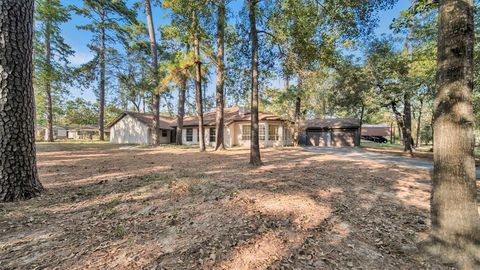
(234,114)
(331,123)
(147,119)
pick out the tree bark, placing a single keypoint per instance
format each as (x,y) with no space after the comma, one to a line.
(181,103)
(298,106)
(198,85)
(220,102)
(419,119)
(48,83)
(101,91)
(18,170)
(255,158)
(407,123)
(455,217)
(154,56)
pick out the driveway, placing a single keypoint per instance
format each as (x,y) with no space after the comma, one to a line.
(363,155)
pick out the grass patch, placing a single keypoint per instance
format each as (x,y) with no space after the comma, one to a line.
(113,202)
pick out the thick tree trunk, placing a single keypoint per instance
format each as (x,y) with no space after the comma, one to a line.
(455,217)
(255,158)
(154,56)
(101,91)
(48,83)
(219,144)
(198,86)
(18,169)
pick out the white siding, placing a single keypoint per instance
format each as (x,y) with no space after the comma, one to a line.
(129,131)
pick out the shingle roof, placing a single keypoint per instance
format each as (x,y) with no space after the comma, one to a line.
(147,119)
(331,123)
(234,114)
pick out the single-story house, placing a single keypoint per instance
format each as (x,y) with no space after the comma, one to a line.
(381,130)
(273,130)
(136,128)
(59,132)
(330,132)
(88,132)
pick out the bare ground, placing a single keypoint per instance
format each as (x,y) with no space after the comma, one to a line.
(113,207)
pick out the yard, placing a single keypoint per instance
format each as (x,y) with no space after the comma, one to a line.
(126,207)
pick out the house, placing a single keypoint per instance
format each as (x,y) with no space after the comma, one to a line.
(136,128)
(330,132)
(273,130)
(381,130)
(59,132)
(88,132)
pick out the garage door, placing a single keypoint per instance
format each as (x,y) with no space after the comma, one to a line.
(318,138)
(344,138)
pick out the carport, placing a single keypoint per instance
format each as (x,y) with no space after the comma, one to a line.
(334,132)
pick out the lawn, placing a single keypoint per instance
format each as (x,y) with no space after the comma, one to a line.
(126,207)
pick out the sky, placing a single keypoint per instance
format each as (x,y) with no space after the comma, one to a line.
(78,39)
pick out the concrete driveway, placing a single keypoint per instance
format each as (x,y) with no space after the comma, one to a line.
(363,155)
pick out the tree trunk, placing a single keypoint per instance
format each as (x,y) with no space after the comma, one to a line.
(255,158)
(455,217)
(181,102)
(48,83)
(18,169)
(298,106)
(359,135)
(407,124)
(419,119)
(198,85)
(154,56)
(219,144)
(101,91)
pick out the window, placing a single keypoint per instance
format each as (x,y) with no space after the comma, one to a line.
(189,134)
(273,133)
(164,133)
(261,132)
(246,132)
(212,134)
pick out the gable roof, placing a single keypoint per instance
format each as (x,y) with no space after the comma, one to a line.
(234,114)
(147,119)
(331,123)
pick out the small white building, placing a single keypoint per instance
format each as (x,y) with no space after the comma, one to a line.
(136,128)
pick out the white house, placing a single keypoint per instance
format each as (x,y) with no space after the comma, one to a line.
(135,128)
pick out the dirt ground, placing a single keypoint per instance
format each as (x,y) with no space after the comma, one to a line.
(121,207)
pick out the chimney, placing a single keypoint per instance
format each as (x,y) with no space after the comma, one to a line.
(242,110)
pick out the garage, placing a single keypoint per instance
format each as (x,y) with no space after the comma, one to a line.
(330,132)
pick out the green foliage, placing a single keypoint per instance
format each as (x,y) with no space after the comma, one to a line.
(56,71)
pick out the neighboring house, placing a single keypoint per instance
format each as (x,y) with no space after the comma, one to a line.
(381,130)
(136,128)
(330,132)
(88,132)
(273,130)
(59,132)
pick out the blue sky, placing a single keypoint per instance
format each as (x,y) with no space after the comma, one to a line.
(79,39)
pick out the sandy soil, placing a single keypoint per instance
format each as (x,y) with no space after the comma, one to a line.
(113,207)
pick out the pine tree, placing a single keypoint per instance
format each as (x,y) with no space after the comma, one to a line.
(52,71)
(18,168)
(108,19)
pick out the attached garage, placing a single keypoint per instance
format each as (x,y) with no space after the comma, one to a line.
(331,133)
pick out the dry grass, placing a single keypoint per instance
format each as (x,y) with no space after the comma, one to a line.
(112,207)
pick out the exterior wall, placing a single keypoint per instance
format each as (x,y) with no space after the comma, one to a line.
(226,137)
(165,140)
(284,136)
(130,131)
(383,131)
